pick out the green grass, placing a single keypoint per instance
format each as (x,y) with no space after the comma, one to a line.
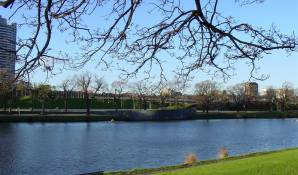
(26,102)
(280,163)
(77,103)
(283,162)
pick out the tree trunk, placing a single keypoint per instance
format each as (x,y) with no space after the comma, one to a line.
(144,104)
(65,105)
(283,107)
(43,108)
(5,105)
(122,103)
(65,96)
(32,102)
(88,106)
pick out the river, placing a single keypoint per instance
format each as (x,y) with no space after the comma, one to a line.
(74,148)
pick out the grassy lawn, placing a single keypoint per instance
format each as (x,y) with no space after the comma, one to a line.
(284,162)
(279,163)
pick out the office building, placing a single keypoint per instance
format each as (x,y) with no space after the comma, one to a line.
(251,89)
(7,46)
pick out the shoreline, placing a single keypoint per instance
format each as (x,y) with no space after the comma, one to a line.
(130,116)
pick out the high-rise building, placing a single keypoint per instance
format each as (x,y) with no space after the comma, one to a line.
(7,46)
(251,89)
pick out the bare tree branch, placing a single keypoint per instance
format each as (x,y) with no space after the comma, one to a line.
(200,37)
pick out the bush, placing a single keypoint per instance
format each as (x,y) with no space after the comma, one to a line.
(223,153)
(190,159)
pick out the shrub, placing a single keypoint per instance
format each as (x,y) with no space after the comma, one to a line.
(190,159)
(223,153)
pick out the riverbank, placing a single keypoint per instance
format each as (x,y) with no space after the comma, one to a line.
(245,115)
(54,118)
(281,162)
(142,115)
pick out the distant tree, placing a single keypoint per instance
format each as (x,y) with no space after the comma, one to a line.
(206,94)
(68,86)
(285,95)
(223,99)
(83,82)
(33,94)
(178,86)
(119,87)
(21,89)
(143,89)
(296,97)
(164,94)
(6,88)
(90,85)
(271,97)
(43,94)
(237,92)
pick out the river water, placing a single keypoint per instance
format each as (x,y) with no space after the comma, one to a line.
(74,148)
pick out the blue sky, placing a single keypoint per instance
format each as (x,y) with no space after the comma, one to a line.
(279,65)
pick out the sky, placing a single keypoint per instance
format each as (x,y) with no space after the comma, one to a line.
(278,65)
